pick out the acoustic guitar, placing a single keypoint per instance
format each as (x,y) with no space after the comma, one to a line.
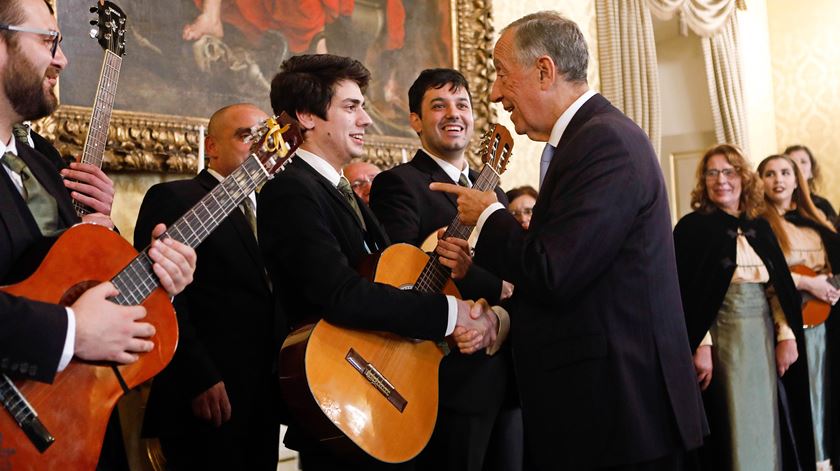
(377,392)
(60,426)
(110,33)
(814,311)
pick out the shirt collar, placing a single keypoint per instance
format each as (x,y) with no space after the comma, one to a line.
(453,172)
(320,165)
(565,118)
(10,147)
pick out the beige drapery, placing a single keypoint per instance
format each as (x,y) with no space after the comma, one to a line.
(717,25)
(627,51)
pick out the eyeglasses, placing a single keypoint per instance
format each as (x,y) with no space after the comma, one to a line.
(713,173)
(522,212)
(360,182)
(55,35)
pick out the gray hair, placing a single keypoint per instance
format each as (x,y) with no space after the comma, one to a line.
(548,33)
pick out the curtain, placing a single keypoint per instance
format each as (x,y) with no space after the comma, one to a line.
(627,52)
(704,17)
(723,74)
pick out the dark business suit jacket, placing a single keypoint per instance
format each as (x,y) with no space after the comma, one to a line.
(409,212)
(311,242)
(470,385)
(600,346)
(31,333)
(230,330)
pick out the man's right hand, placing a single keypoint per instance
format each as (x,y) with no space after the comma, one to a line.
(703,365)
(107,331)
(476,327)
(213,405)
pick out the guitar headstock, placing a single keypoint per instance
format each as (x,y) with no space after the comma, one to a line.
(274,142)
(109,27)
(496,148)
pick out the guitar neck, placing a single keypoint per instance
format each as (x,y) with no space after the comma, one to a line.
(137,280)
(100,118)
(435,275)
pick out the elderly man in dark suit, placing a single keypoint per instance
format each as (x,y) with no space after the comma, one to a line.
(216,405)
(600,345)
(472,387)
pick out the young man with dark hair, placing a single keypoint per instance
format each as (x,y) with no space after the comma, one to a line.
(473,387)
(314,231)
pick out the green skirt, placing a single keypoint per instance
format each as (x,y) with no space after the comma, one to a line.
(743,389)
(815,344)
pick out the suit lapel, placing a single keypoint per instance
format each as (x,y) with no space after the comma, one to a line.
(559,160)
(237,220)
(19,222)
(47,174)
(427,165)
(333,192)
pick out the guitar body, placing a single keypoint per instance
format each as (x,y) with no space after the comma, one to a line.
(75,408)
(814,311)
(338,404)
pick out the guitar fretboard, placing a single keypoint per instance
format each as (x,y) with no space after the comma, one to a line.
(435,275)
(137,280)
(100,117)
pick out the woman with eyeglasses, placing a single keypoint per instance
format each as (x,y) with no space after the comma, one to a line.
(808,240)
(731,271)
(522,201)
(804,158)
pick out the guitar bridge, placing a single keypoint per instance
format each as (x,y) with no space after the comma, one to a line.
(376,379)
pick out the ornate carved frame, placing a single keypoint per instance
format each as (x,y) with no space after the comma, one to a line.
(166,143)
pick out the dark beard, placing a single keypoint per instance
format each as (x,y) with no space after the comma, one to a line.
(25,90)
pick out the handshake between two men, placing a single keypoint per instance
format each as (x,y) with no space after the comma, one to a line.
(478,325)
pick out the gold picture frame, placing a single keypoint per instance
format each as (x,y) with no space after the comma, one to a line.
(145,142)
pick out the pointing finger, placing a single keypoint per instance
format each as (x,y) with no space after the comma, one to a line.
(448,187)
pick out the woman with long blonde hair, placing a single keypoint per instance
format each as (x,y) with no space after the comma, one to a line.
(808,240)
(729,265)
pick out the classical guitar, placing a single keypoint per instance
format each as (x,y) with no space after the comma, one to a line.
(110,33)
(60,426)
(374,391)
(814,311)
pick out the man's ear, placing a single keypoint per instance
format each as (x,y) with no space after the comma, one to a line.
(415,122)
(210,147)
(306,119)
(547,70)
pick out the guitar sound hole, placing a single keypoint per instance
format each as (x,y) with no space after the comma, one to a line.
(71,295)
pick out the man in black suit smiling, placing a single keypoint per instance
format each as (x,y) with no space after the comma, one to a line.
(599,341)
(472,387)
(314,230)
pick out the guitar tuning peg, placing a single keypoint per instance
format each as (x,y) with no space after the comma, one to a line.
(93,22)
(94,32)
(93,9)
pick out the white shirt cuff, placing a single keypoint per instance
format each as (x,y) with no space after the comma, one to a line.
(453,315)
(69,341)
(484,215)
